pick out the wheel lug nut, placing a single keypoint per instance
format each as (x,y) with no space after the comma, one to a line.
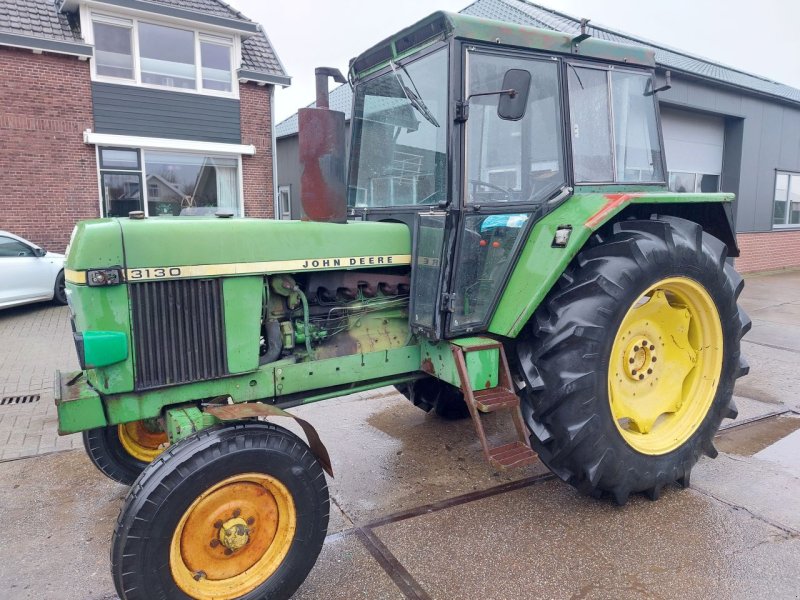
(636,348)
(649,371)
(228,551)
(641,377)
(214,543)
(631,361)
(251,520)
(654,359)
(634,372)
(644,343)
(652,347)
(236,513)
(218,525)
(199,575)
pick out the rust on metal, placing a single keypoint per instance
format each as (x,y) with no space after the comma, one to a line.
(321,134)
(516,454)
(427,366)
(250,410)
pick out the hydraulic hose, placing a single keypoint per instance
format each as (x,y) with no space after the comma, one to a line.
(304,300)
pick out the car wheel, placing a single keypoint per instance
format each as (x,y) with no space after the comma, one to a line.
(60,291)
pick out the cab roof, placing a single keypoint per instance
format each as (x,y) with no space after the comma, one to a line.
(443,25)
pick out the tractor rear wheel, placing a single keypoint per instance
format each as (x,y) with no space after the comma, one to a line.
(121,452)
(630,362)
(429,393)
(233,511)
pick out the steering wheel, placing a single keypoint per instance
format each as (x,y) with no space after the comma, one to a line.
(509,195)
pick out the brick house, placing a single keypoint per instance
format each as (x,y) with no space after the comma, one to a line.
(110,106)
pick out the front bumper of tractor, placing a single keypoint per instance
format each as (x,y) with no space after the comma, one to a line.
(79,405)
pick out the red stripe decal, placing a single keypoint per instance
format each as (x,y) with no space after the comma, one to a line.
(614,201)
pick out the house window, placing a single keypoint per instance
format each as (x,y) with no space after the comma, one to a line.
(191,184)
(787,199)
(166,56)
(120,181)
(215,58)
(176,183)
(161,56)
(285,202)
(683,182)
(113,52)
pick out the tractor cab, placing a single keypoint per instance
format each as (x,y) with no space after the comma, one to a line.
(471,132)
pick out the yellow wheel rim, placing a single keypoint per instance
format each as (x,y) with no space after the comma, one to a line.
(141,442)
(665,365)
(233,537)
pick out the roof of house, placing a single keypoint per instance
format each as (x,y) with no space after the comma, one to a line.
(52,25)
(534,15)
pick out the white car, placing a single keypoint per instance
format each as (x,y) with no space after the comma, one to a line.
(29,273)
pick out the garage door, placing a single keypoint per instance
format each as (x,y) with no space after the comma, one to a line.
(693,143)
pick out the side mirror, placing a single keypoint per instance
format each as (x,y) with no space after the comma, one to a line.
(39,252)
(514,102)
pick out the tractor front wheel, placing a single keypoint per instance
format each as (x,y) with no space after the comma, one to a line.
(233,511)
(121,452)
(630,363)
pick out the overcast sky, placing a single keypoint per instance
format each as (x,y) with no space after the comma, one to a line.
(757,37)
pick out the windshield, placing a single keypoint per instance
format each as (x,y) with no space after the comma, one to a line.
(399,153)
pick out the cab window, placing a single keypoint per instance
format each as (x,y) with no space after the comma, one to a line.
(513,160)
(613,126)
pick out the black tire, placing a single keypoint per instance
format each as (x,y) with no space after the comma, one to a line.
(429,393)
(109,455)
(59,290)
(166,489)
(564,355)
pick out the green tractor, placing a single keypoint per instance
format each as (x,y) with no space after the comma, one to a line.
(504,242)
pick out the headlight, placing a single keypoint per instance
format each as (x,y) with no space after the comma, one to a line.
(100,277)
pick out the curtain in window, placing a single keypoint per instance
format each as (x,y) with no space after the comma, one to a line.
(227,188)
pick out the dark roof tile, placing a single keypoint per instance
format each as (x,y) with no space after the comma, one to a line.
(41,18)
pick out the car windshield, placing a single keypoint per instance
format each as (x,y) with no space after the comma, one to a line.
(399,154)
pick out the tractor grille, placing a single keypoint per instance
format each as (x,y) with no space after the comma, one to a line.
(178,331)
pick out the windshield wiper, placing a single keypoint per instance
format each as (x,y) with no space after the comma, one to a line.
(413,96)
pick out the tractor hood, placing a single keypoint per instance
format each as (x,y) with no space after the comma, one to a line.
(198,247)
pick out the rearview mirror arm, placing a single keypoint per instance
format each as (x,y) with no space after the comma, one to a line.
(462,106)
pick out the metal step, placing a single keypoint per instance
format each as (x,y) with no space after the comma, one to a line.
(494,399)
(510,456)
(497,399)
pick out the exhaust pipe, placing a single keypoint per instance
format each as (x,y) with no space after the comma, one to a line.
(322,155)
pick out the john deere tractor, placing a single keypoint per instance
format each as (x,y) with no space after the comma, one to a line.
(504,241)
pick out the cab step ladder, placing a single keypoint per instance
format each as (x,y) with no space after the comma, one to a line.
(496,399)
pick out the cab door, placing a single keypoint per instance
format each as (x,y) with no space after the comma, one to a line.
(512,173)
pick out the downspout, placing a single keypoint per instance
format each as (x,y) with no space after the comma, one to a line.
(275,205)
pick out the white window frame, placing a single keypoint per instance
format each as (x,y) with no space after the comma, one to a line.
(142,171)
(787,202)
(281,214)
(89,16)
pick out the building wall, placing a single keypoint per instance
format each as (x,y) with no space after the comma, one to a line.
(145,112)
(768,251)
(256,110)
(49,176)
(764,134)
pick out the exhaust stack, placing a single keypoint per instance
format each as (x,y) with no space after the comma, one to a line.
(322,155)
